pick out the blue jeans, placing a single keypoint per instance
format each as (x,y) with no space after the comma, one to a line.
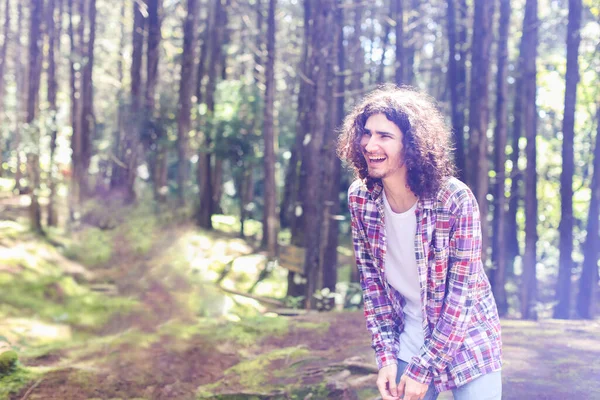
(486,387)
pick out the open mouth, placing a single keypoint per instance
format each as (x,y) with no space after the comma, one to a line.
(376,159)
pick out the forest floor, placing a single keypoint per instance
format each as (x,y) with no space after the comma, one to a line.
(131,310)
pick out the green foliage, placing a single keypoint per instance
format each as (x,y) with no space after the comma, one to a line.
(93,248)
(8,362)
(14,382)
(248,332)
(252,373)
(60,299)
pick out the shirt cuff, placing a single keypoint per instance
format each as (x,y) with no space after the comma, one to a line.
(384,359)
(417,372)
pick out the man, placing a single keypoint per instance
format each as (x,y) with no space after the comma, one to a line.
(417,240)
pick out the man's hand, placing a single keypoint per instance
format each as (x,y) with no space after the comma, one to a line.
(411,389)
(386,382)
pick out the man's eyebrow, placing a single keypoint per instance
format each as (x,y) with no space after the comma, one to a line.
(379,132)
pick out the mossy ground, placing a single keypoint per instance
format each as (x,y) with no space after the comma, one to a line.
(134,313)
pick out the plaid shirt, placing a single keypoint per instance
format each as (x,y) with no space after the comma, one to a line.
(460,319)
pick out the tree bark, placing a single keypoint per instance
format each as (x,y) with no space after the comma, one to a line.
(479,112)
(19,95)
(52,219)
(270,202)
(565,266)
(3,64)
(588,282)
(205,174)
(185,96)
(88,120)
(333,167)
(384,46)
(454,83)
(499,257)
(154,135)
(321,43)
(529,282)
(33,89)
(400,61)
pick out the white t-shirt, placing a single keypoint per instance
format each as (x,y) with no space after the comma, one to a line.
(403,275)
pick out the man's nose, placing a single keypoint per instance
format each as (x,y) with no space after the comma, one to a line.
(371,144)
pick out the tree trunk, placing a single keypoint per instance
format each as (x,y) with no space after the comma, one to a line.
(52,219)
(185,96)
(399,17)
(386,40)
(500,133)
(565,266)
(588,282)
(270,202)
(479,112)
(3,65)
(19,95)
(118,168)
(333,167)
(154,135)
(88,120)
(529,283)
(76,140)
(321,43)
(288,216)
(34,76)
(454,83)
(512,228)
(411,42)
(131,117)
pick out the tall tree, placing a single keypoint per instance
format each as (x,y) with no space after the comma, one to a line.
(332,173)
(400,61)
(185,96)
(77,142)
(88,120)
(270,204)
(454,83)
(321,42)
(52,90)
(500,134)
(3,60)
(588,282)
(20,84)
(529,279)
(565,266)
(479,111)
(386,39)
(33,89)
(154,134)
(205,174)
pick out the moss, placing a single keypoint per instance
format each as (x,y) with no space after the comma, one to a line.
(93,248)
(248,332)
(252,374)
(8,361)
(320,327)
(15,381)
(61,300)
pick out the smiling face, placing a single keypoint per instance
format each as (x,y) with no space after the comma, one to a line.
(381,144)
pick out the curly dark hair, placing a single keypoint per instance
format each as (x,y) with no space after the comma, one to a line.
(426,137)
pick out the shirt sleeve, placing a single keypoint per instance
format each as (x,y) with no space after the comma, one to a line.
(465,265)
(378,309)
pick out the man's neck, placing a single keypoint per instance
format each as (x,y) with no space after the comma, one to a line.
(398,194)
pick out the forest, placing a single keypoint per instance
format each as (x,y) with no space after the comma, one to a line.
(168,172)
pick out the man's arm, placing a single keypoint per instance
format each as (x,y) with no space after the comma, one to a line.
(378,310)
(464,267)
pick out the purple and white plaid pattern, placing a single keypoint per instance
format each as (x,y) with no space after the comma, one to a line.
(460,319)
